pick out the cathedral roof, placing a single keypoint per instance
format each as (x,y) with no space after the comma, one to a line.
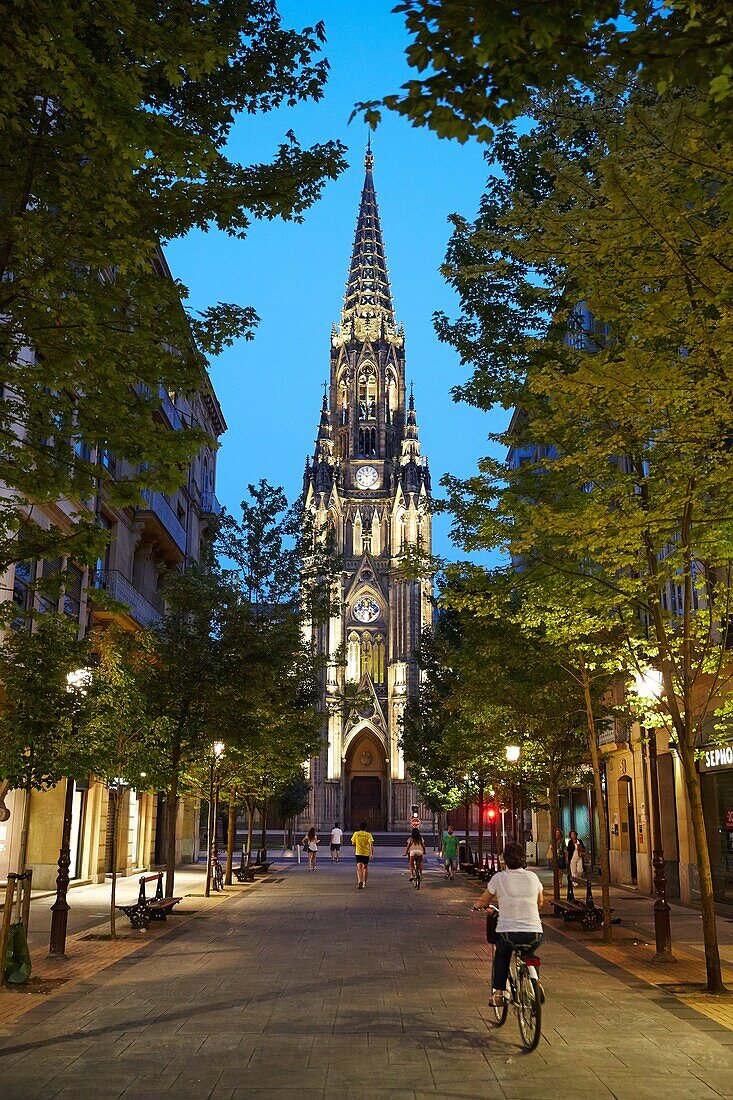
(368,309)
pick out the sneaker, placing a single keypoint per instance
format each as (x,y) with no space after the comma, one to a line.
(359,885)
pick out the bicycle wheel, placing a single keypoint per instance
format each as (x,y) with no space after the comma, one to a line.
(500,1012)
(529,1008)
(418,877)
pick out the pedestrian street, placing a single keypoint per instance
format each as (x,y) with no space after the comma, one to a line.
(308,988)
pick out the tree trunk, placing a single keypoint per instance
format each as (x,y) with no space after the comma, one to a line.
(554,824)
(231,828)
(263,841)
(602,824)
(172,817)
(481,821)
(250,828)
(113,891)
(707,900)
(24,828)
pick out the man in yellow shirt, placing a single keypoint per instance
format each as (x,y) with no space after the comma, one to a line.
(363,842)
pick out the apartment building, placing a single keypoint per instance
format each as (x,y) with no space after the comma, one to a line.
(145,543)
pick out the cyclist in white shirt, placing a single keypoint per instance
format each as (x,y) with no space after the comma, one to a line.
(517,894)
(336,838)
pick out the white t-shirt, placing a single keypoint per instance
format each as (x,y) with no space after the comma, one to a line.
(518,893)
(336,836)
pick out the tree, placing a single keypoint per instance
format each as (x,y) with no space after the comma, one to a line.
(621,481)
(479,66)
(119,726)
(275,578)
(181,685)
(115,120)
(40,742)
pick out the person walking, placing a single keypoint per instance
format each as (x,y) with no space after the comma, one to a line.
(517,893)
(576,857)
(310,843)
(363,842)
(450,852)
(557,852)
(336,838)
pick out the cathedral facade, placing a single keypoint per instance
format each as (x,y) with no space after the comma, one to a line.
(369,486)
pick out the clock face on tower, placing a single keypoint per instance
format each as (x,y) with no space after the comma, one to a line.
(366,477)
(366,610)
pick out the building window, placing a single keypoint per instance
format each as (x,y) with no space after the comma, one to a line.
(352,657)
(22,594)
(72,592)
(50,570)
(378,659)
(368,394)
(366,655)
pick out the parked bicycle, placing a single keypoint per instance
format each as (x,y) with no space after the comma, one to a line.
(217,873)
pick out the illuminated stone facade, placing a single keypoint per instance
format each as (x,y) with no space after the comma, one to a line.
(370,486)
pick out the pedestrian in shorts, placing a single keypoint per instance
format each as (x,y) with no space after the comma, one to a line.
(363,842)
(336,838)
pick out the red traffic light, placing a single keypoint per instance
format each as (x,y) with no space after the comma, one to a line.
(491,812)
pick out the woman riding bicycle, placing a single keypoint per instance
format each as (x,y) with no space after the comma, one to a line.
(517,893)
(415,849)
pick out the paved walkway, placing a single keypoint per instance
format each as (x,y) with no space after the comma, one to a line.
(309,988)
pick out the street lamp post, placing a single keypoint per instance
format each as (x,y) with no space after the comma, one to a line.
(649,684)
(77,683)
(217,749)
(514,756)
(662,928)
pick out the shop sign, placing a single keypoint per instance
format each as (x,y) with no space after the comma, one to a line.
(718,757)
(728,820)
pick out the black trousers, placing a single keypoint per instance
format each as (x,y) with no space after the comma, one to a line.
(503,948)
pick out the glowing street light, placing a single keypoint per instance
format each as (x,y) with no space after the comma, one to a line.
(513,752)
(649,688)
(77,685)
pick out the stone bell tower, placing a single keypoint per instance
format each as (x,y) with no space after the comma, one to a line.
(370,486)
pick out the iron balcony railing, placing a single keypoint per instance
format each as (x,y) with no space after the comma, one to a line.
(145,609)
(160,507)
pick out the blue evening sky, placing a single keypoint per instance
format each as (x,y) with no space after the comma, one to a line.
(294,275)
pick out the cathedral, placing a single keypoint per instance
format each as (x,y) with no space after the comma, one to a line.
(368,484)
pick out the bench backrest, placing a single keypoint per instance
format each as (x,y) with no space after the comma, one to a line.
(151,878)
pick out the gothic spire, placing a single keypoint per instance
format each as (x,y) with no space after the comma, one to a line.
(368,311)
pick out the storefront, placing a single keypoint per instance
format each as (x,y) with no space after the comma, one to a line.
(716,779)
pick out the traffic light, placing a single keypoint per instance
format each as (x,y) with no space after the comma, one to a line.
(491,813)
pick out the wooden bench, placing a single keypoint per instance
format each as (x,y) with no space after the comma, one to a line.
(568,910)
(262,868)
(146,909)
(244,873)
(468,868)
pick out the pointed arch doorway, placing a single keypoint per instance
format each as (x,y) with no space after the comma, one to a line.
(366,788)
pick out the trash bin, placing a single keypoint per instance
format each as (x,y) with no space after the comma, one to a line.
(464,852)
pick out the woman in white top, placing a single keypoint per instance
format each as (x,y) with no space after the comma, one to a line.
(517,894)
(310,843)
(415,849)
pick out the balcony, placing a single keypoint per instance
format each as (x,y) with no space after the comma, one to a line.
(210,506)
(170,411)
(162,522)
(145,610)
(611,732)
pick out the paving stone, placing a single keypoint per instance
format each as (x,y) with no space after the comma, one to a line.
(314,990)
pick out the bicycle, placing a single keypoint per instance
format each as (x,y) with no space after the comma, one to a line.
(417,872)
(217,874)
(524,992)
